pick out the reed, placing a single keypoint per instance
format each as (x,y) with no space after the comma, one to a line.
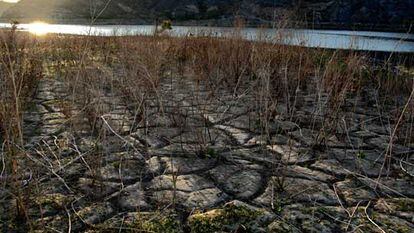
(20,69)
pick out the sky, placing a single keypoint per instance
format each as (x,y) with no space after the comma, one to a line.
(12,1)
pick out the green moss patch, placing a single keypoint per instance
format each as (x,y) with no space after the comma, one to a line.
(161,223)
(231,218)
(157,222)
(57,200)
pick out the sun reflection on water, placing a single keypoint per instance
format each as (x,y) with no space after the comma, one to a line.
(38,28)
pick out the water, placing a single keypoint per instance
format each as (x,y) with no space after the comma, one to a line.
(333,39)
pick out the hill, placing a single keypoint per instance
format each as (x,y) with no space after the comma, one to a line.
(335,13)
(4,6)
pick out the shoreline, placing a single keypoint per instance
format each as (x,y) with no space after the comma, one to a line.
(367,41)
(230,23)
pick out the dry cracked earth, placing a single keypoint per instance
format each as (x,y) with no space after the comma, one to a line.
(194,161)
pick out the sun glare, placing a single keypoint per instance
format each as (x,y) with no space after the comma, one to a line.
(38,28)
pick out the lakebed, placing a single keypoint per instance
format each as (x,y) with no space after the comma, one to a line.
(200,134)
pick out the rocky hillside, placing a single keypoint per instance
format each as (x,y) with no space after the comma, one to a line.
(4,6)
(69,10)
(373,13)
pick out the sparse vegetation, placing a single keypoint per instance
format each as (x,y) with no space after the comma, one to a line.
(89,117)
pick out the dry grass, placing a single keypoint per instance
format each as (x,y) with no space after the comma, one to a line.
(20,69)
(132,68)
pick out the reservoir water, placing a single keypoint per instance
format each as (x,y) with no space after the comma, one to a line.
(332,39)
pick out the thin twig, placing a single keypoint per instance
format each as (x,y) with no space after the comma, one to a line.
(372,221)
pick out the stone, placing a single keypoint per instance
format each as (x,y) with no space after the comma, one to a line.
(168,197)
(155,141)
(154,165)
(380,142)
(51,130)
(384,130)
(98,189)
(354,192)
(286,190)
(40,109)
(285,126)
(391,186)
(203,136)
(300,218)
(204,198)
(364,167)
(241,136)
(132,198)
(118,122)
(159,133)
(88,144)
(237,181)
(364,134)
(32,118)
(54,122)
(132,143)
(244,121)
(354,154)
(351,166)
(280,226)
(127,170)
(306,173)
(356,142)
(399,150)
(292,155)
(53,116)
(400,207)
(258,140)
(279,139)
(245,164)
(183,165)
(253,155)
(185,183)
(43,95)
(334,142)
(407,165)
(124,156)
(177,150)
(274,126)
(95,213)
(53,106)
(306,136)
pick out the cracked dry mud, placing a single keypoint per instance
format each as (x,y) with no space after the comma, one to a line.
(202,163)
